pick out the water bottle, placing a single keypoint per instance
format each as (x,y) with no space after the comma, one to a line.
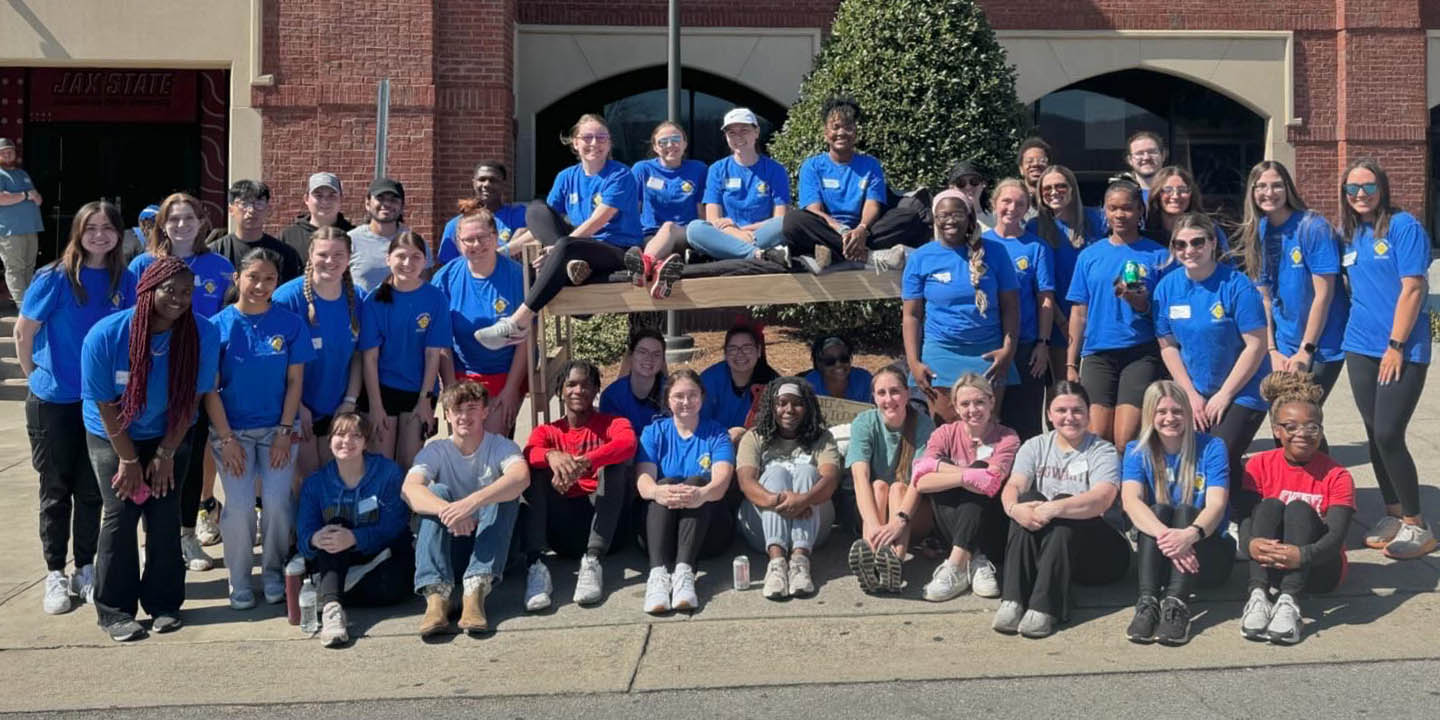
(309,618)
(294,572)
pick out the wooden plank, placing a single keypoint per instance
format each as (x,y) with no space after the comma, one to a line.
(719,292)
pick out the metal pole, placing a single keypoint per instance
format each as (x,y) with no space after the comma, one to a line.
(678,348)
(382,126)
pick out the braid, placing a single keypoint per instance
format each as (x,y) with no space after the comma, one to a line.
(308,290)
(349,284)
(184,351)
(977,272)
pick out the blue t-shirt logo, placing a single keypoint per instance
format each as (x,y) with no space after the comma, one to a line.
(1381,248)
(1217,310)
(1200,483)
(277,343)
(116,300)
(760,187)
(209,287)
(422,321)
(499,305)
(686,187)
(595,201)
(704,461)
(1295,256)
(505,235)
(1022,263)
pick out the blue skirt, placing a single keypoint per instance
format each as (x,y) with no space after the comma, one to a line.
(949,360)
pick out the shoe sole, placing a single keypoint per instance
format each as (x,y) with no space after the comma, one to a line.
(162,630)
(200,565)
(938,598)
(1377,544)
(1036,635)
(657,610)
(588,602)
(666,276)
(1140,640)
(1174,642)
(988,594)
(578,271)
(889,569)
(335,642)
(862,565)
(1286,639)
(635,264)
(1422,551)
(534,607)
(432,632)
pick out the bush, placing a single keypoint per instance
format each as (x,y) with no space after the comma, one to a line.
(872,325)
(601,339)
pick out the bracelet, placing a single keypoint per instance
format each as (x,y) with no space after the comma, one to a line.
(1198,529)
(349,399)
(283,430)
(165,453)
(1072,365)
(903,516)
(227,439)
(130,461)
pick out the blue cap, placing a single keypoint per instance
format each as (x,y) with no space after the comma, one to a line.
(149,212)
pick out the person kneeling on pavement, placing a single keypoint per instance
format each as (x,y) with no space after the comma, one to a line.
(466,490)
(353,528)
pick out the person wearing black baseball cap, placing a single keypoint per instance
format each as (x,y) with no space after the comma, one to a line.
(370,243)
(323,195)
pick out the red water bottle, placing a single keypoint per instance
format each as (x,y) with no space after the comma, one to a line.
(294,575)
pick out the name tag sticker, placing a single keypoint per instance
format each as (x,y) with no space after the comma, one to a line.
(367,505)
(830,183)
(1348,259)
(574,198)
(317,342)
(984,452)
(732,183)
(1179,312)
(655,183)
(943,277)
(122,377)
(198,281)
(1079,467)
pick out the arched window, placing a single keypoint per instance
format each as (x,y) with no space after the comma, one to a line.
(634,102)
(1217,138)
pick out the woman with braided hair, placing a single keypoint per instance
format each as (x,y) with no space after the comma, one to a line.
(962,304)
(326,299)
(142,371)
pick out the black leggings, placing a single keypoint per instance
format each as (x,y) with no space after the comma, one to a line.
(1024,404)
(1294,523)
(385,584)
(1386,410)
(900,225)
(192,478)
(1039,565)
(679,534)
(574,526)
(1237,427)
(602,257)
(1216,553)
(970,521)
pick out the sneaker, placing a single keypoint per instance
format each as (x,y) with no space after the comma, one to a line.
(195,556)
(777,579)
(1286,622)
(242,599)
(1412,541)
(639,265)
(862,565)
(472,605)
(801,584)
(125,631)
(537,587)
(578,271)
(816,263)
(258,539)
(887,566)
(207,524)
(657,591)
(682,590)
(667,274)
(1383,532)
(57,593)
(1256,616)
(82,583)
(274,585)
(887,260)
(165,623)
(947,582)
(780,255)
(333,632)
(1007,617)
(1037,624)
(1174,627)
(502,334)
(1147,618)
(589,583)
(983,580)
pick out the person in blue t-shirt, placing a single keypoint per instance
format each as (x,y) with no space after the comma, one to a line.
(746,196)
(1175,489)
(1111,320)
(1293,256)
(1067,227)
(482,286)
(404,333)
(834,375)
(732,384)
(136,421)
(636,396)
(671,189)
(488,182)
(961,308)
(683,467)
(326,299)
(263,351)
(844,205)
(1387,345)
(1174,193)
(1033,262)
(585,225)
(1210,322)
(65,299)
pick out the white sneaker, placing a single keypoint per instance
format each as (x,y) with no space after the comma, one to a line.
(887,260)
(1383,532)
(1008,617)
(1412,541)
(537,587)
(207,526)
(777,579)
(82,584)
(333,631)
(1286,623)
(1256,616)
(195,556)
(983,580)
(657,591)
(947,582)
(801,584)
(57,593)
(1037,624)
(682,591)
(501,335)
(589,583)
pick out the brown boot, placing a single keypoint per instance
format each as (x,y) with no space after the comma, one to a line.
(472,612)
(437,614)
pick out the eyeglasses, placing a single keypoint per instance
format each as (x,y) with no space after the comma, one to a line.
(948,216)
(1301,428)
(593,138)
(969,182)
(1197,243)
(741,349)
(1041,161)
(1353,189)
(1272,187)
(255,206)
(1145,153)
(670,140)
(833,360)
(1175,190)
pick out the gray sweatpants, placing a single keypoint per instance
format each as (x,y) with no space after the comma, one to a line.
(763,528)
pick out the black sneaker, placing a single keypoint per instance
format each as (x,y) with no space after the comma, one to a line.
(862,564)
(166,622)
(1147,616)
(125,631)
(1174,622)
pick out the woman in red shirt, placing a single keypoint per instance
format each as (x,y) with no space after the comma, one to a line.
(1296,532)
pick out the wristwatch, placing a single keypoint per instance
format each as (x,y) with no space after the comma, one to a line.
(903,516)
(1309,348)
(1199,529)
(1397,345)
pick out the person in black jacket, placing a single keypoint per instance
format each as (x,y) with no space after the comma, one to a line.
(323,196)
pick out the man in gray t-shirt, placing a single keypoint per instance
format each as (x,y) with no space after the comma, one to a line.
(466,490)
(370,242)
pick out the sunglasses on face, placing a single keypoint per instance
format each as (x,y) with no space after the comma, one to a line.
(1197,243)
(833,360)
(1062,189)
(969,182)
(1175,190)
(1354,189)
(593,138)
(669,140)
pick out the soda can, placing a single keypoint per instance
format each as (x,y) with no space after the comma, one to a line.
(740,572)
(1132,273)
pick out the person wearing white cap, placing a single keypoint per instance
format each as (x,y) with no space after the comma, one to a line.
(20,222)
(323,194)
(746,195)
(788,466)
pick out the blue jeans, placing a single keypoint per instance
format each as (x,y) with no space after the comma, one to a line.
(237,515)
(721,245)
(438,553)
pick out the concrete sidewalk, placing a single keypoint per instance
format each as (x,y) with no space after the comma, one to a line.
(1383,611)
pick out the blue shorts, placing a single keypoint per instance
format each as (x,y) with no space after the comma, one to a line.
(950,360)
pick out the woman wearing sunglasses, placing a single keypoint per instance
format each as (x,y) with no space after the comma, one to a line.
(671,188)
(1210,321)
(965,177)
(834,375)
(1387,345)
(1067,227)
